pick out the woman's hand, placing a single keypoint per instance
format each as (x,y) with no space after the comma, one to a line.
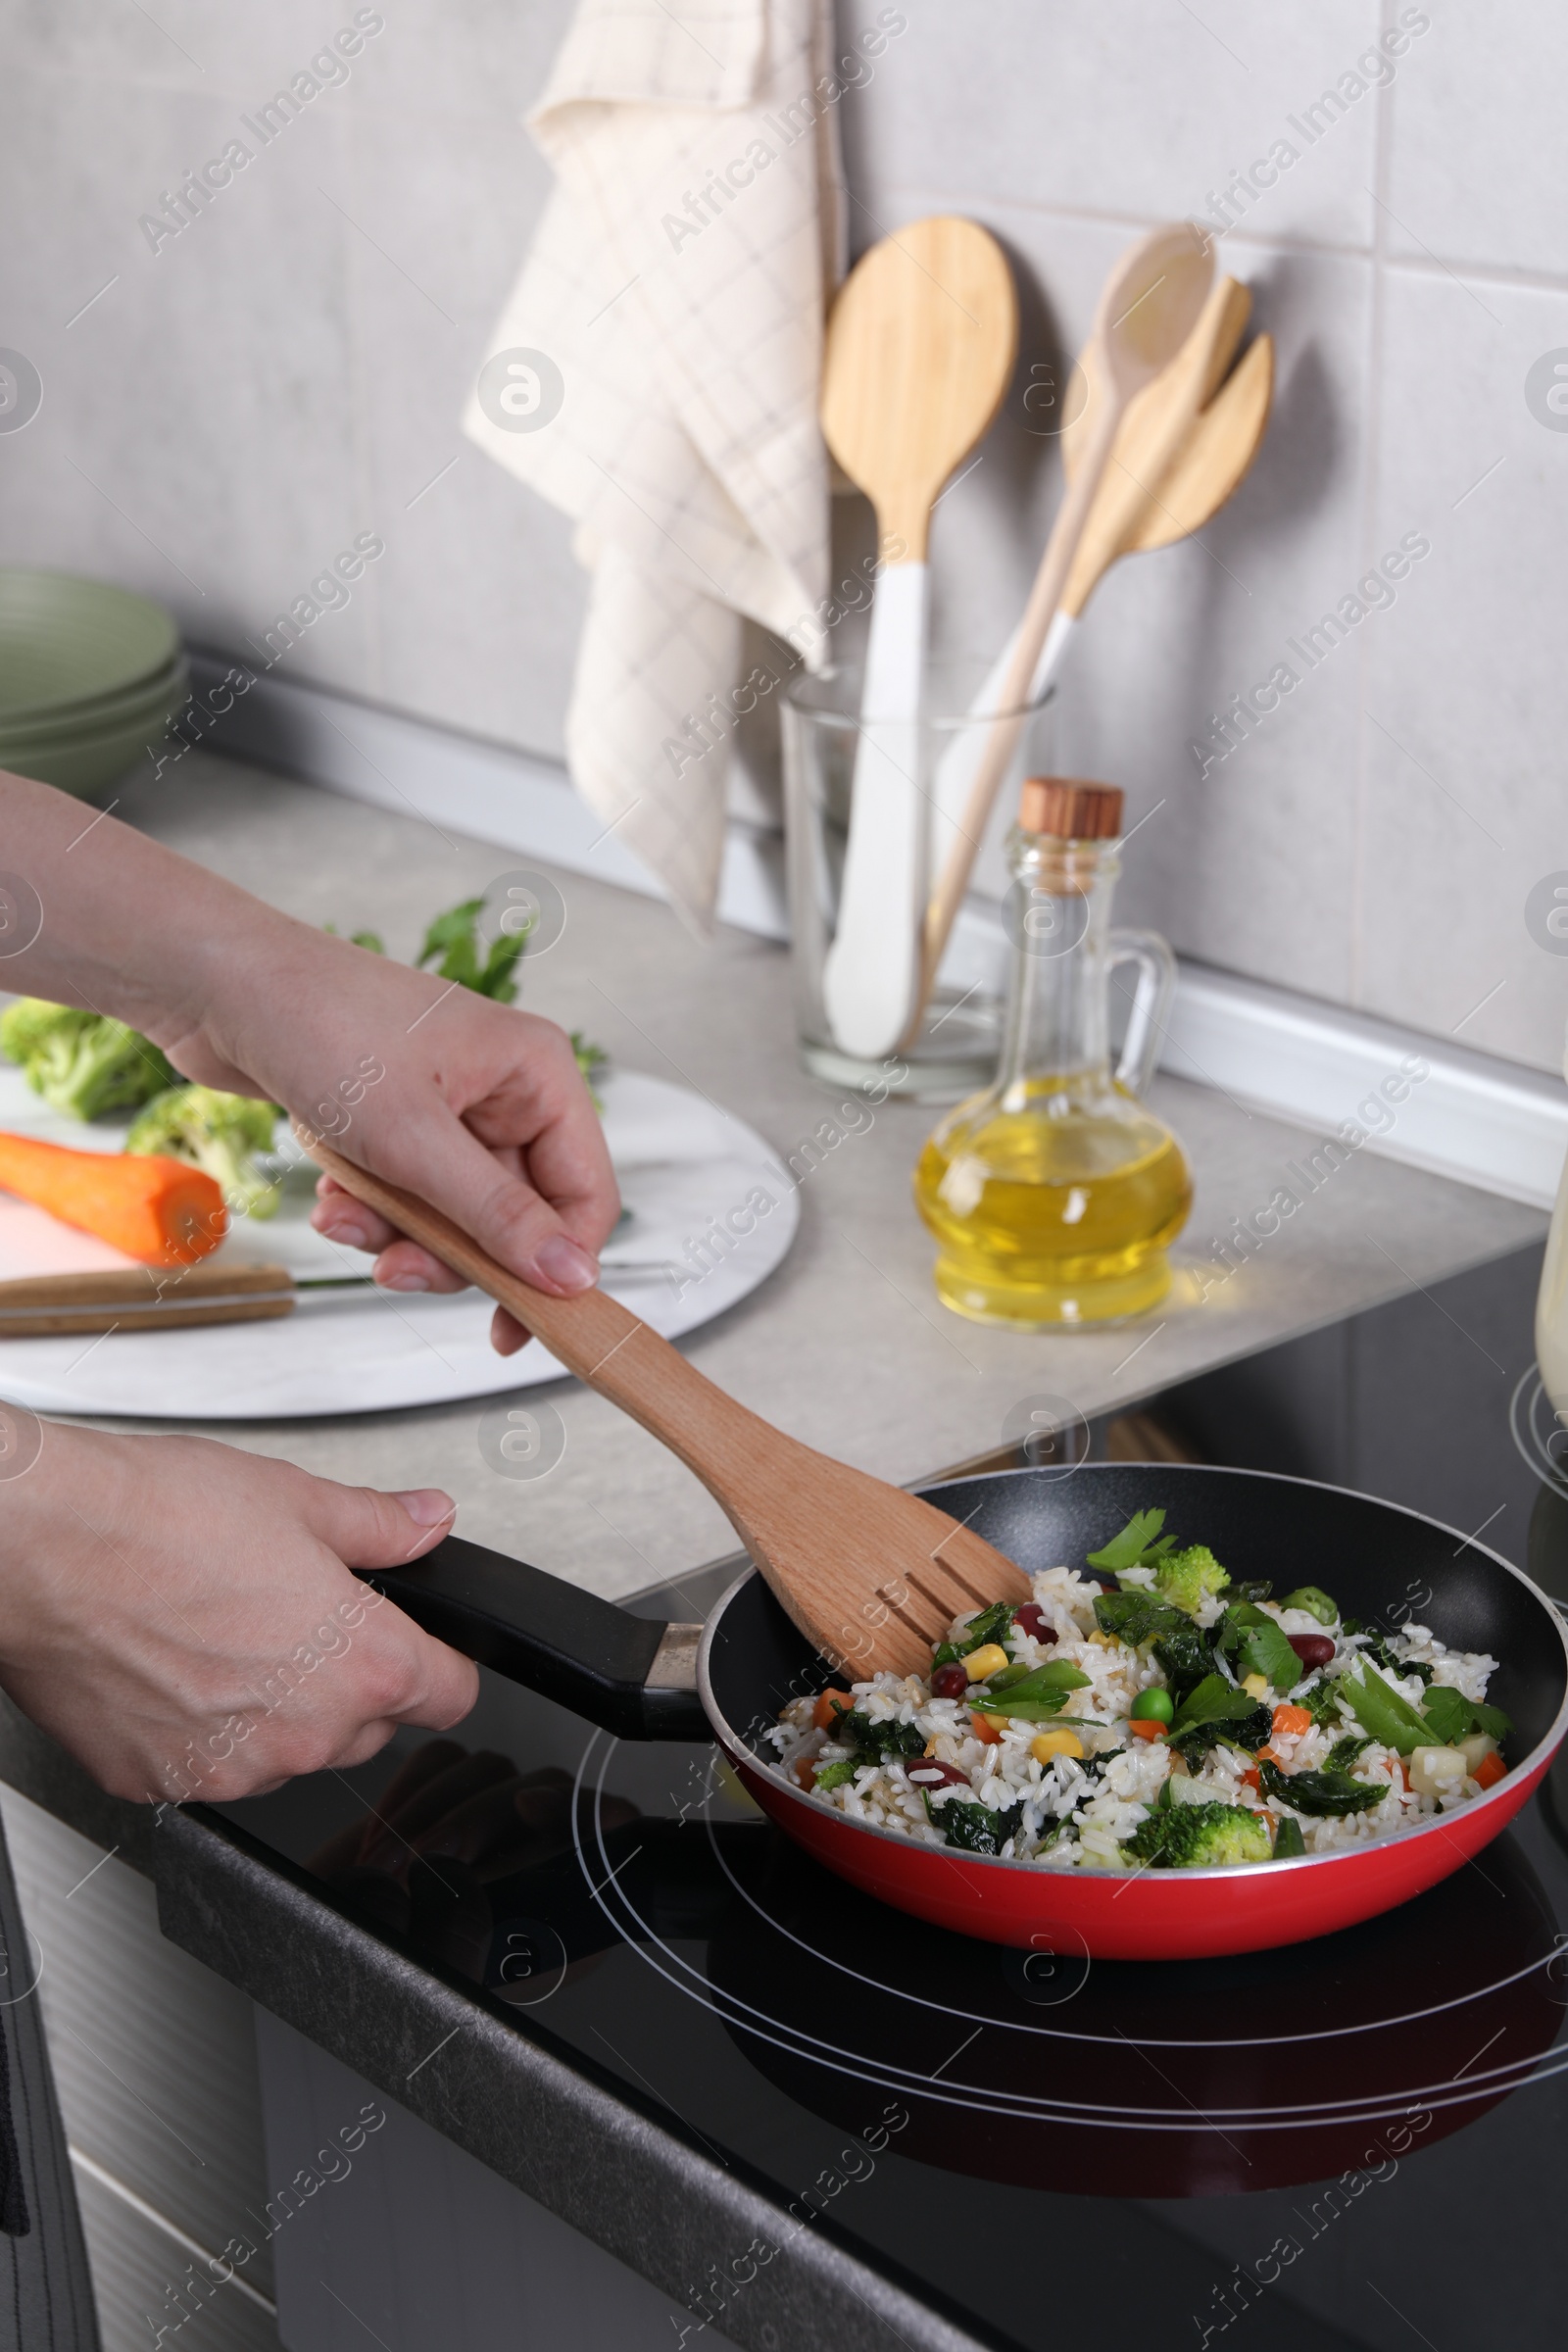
(181,1617)
(478,1108)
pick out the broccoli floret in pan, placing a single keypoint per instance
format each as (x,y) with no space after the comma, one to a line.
(1187,1579)
(1201,1837)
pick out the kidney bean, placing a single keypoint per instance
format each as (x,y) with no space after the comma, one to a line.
(1032,1617)
(1313,1649)
(951,1680)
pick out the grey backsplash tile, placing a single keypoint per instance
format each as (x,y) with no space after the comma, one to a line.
(1466,694)
(201,46)
(1140,110)
(1476,174)
(484,62)
(480,597)
(182,448)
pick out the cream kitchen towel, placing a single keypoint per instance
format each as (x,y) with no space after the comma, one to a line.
(655,373)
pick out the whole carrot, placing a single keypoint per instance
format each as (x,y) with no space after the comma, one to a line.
(162,1211)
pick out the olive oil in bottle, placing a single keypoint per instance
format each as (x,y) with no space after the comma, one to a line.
(1055,1193)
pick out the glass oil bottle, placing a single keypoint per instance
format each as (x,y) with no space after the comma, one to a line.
(1055,1193)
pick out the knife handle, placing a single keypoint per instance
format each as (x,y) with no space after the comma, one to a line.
(141,1298)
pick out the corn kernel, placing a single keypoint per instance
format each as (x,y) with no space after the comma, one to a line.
(1256,1684)
(1062,1742)
(981,1664)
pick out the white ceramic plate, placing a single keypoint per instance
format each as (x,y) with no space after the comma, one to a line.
(681,1162)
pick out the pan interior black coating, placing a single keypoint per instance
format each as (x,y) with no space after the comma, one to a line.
(1381,1563)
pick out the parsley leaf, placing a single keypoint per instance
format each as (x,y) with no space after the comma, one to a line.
(1454,1717)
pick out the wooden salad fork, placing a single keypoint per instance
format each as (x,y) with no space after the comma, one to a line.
(871,1576)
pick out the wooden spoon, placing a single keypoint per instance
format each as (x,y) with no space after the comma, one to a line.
(872,1576)
(1184,444)
(920,345)
(1148,307)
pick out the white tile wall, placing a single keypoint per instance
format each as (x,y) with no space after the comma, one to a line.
(1466,694)
(1478,119)
(273,382)
(467,629)
(1124,112)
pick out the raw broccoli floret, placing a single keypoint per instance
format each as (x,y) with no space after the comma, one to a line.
(218,1133)
(82,1062)
(31,1020)
(1201,1837)
(1187,1579)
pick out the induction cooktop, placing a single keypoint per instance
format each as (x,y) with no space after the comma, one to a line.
(1358,2142)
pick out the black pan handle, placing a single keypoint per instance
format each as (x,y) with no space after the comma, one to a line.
(635,1676)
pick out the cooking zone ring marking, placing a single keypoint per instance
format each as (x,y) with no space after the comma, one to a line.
(1494,2082)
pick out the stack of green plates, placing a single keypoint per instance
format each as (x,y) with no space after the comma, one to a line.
(89,677)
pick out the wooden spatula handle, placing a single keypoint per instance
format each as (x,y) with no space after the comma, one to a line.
(607,1346)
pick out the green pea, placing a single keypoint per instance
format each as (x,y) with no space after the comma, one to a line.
(1153,1706)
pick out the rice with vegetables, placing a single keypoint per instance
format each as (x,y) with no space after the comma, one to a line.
(1156,1711)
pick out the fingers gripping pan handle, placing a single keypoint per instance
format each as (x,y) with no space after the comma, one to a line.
(634,1676)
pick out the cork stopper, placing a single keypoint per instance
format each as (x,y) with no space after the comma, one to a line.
(1069,809)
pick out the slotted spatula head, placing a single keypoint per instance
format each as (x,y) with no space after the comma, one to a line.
(1216,455)
(872,1576)
(1184,443)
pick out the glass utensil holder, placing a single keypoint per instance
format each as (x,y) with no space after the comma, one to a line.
(955,1049)
(1055,1194)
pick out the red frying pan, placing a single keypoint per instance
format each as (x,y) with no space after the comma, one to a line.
(1382,1563)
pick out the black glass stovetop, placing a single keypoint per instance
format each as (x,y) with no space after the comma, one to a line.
(1356,2141)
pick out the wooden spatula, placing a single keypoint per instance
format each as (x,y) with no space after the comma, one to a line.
(919,348)
(872,1576)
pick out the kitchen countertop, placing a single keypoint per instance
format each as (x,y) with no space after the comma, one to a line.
(845,1345)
